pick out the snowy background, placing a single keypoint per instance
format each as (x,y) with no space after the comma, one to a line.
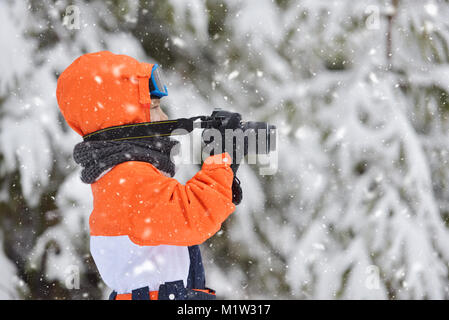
(359,207)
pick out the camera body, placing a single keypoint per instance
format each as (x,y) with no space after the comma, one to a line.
(238,138)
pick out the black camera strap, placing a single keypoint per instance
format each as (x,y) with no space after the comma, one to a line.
(154,129)
(144,130)
(182,126)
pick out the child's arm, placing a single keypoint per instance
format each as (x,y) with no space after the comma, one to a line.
(167,212)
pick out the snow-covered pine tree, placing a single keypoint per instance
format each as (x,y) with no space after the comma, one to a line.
(358,208)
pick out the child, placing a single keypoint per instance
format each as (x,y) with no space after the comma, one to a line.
(145,226)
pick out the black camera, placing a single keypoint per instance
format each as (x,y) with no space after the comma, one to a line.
(238,138)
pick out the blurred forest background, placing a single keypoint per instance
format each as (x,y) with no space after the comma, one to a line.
(359,206)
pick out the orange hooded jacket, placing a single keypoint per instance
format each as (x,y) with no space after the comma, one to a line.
(100,90)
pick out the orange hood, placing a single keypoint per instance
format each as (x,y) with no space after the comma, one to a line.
(102,89)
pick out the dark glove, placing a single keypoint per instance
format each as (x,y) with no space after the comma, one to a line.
(237,194)
(231,121)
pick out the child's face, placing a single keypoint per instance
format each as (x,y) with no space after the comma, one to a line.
(156,112)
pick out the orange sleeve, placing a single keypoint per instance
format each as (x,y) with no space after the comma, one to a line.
(166,212)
